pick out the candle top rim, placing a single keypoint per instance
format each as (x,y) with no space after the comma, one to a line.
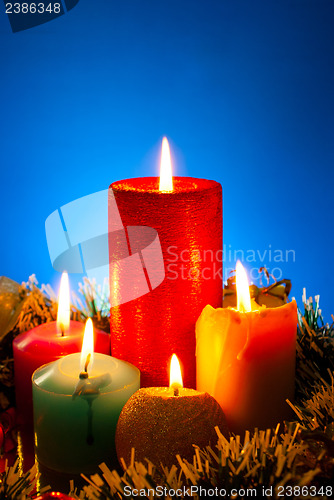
(168,392)
(259,311)
(41,377)
(150,185)
(49,334)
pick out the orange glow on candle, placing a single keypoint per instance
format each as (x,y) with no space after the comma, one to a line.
(166,178)
(87,345)
(246,359)
(63,313)
(243,295)
(175,376)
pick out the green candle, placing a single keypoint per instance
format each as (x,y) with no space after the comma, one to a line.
(76,408)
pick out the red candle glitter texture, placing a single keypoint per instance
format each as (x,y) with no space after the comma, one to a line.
(186,214)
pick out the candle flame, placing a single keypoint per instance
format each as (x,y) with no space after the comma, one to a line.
(175,376)
(166,178)
(243,295)
(87,351)
(63,313)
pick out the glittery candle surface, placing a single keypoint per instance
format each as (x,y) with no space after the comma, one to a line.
(160,425)
(146,331)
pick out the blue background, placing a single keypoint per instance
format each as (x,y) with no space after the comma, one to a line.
(243,89)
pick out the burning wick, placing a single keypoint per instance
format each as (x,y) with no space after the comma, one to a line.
(175,378)
(176,390)
(84,374)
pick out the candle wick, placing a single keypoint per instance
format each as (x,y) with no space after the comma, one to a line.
(87,362)
(62,329)
(84,374)
(176,391)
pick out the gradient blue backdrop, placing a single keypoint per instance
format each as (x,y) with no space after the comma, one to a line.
(243,89)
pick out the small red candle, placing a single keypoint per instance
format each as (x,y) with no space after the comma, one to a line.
(187,215)
(46,343)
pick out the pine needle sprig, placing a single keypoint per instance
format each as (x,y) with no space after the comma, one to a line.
(92,301)
(312,312)
(317,412)
(16,485)
(39,305)
(315,349)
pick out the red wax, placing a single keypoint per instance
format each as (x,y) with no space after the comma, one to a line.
(147,330)
(42,345)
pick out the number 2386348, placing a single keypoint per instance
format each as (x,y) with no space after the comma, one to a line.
(33,8)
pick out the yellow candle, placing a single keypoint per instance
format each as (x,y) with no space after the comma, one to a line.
(245,358)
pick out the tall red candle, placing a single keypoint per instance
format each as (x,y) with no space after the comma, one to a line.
(147,330)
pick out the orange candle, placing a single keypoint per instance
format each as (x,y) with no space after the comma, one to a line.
(245,358)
